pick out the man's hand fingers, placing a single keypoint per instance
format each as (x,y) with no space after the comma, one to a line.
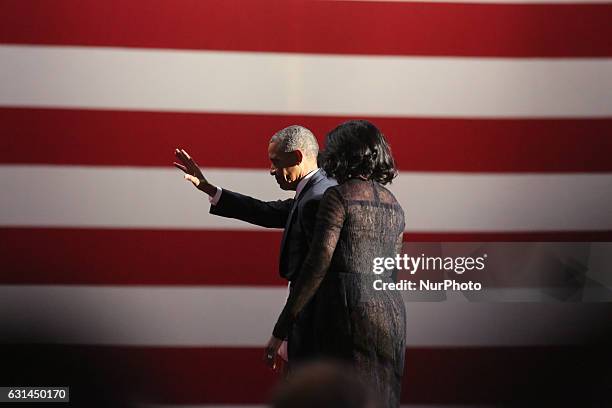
(269,358)
(189,159)
(192,163)
(194,180)
(282,351)
(189,163)
(180,156)
(180,166)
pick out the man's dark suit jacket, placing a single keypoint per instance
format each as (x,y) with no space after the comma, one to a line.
(298,219)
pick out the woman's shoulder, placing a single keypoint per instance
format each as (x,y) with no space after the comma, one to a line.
(386,194)
(349,189)
(365,190)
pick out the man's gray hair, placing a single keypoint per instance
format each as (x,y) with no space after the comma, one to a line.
(297,137)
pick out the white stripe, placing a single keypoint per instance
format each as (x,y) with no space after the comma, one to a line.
(124,197)
(243,317)
(93,77)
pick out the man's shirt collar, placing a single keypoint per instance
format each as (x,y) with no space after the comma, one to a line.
(303,183)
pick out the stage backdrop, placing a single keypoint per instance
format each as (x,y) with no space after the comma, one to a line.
(499,115)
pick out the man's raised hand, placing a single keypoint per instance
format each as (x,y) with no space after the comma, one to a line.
(193,172)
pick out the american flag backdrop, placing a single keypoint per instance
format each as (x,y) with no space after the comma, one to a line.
(499,115)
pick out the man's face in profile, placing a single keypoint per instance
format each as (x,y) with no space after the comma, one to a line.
(284,166)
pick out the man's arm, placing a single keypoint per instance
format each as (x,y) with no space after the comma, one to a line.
(270,214)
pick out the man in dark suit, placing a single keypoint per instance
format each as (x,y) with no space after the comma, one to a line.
(293,156)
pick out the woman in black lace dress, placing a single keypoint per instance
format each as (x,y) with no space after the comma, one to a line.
(357,221)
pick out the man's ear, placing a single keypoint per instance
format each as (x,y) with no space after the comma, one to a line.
(298,156)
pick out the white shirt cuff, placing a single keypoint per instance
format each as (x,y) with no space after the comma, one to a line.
(215,199)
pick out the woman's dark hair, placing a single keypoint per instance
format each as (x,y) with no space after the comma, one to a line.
(358,149)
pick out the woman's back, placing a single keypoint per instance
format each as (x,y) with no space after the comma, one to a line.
(373,227)
(352,319)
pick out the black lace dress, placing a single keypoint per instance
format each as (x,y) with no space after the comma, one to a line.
(357,221)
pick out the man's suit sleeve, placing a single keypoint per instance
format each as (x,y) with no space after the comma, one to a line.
(269,214)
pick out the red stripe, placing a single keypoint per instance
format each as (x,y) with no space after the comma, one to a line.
(490,30)
(126,138)
(132,257)
(180,257)
(238,376)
